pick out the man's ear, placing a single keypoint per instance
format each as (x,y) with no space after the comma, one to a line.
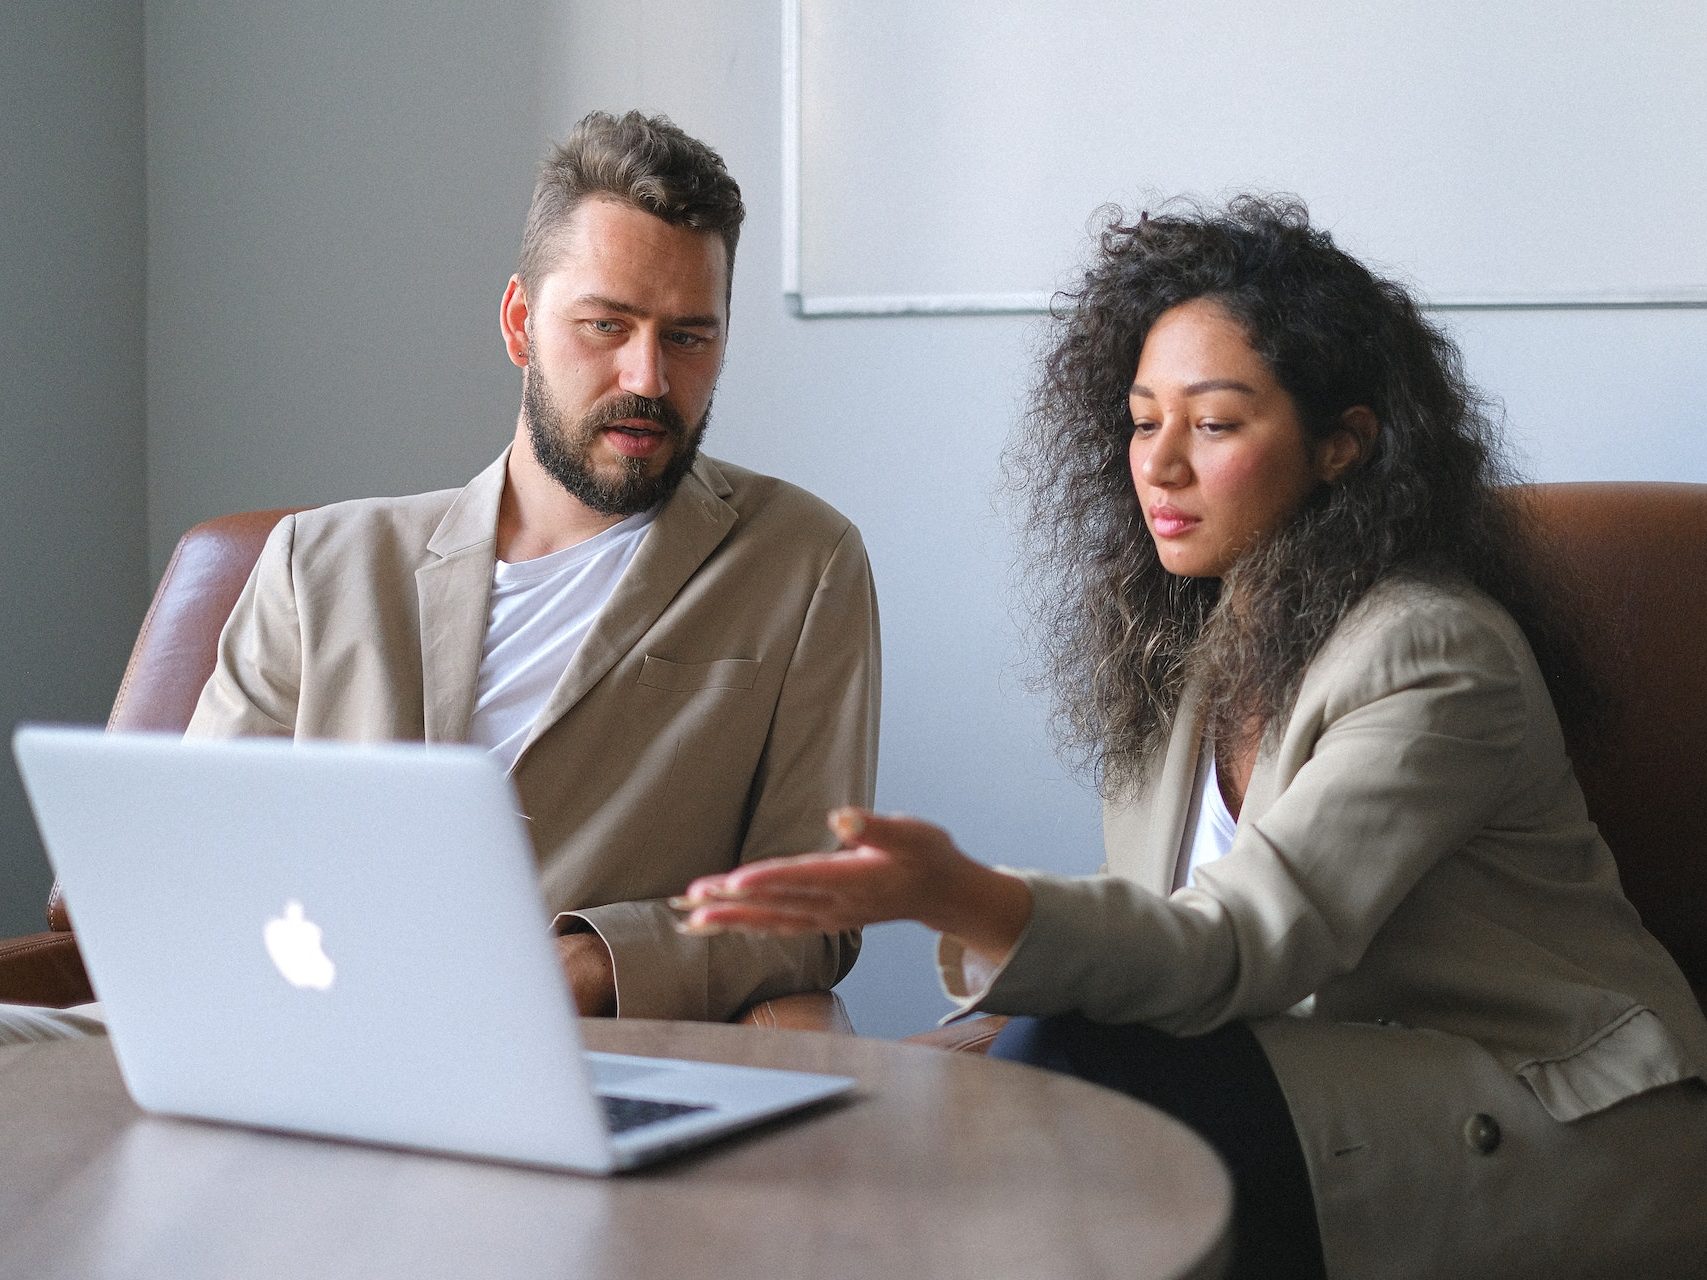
(513,321)
(1349,446)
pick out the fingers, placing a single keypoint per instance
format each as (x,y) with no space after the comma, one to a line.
(706,921)
(725,884)
(812,876)
(816,894)
(894,833)
(809,875)
(873,878)
(848,823)
(714,905)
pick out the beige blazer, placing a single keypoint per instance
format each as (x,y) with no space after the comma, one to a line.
(725,699)
(1426,932)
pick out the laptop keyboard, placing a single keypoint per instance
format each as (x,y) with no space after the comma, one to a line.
(623,1114)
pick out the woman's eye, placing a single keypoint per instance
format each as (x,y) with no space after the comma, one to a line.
(1216,427)
(1142,426)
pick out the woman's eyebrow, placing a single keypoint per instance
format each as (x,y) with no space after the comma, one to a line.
(1199,388)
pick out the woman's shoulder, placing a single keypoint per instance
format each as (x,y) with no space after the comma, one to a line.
(1404,605)
(1408,628)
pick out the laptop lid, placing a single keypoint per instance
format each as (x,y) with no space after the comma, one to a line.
(345,940)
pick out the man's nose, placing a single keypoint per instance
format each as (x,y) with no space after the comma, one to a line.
(642,368)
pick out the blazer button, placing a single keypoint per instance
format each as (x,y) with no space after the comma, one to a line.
(1482,1134)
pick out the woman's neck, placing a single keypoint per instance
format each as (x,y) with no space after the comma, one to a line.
(1235,758)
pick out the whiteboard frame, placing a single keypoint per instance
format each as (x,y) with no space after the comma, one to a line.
(1038,303)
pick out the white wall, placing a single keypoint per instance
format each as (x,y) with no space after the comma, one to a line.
(73,579)
(335,196)
(1479,143)
(899,422)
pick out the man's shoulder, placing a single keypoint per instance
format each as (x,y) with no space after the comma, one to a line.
(410,519)
(769,502)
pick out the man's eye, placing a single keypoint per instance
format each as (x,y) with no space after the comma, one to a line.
(689,341)
(605,326)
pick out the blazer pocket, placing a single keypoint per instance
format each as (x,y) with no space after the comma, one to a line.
(687,677)
(1630,1055)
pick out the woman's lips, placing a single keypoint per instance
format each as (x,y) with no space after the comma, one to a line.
(1165,522)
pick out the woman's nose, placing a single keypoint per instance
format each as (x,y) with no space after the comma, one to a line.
(1164,463)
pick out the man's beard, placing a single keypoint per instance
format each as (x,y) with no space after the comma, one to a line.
(565,449)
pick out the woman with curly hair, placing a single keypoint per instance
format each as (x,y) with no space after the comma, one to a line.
(1354,925)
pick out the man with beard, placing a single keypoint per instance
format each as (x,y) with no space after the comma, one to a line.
(677,658)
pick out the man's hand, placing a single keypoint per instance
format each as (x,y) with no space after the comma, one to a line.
(591,973)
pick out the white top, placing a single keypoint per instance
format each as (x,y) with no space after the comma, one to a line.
(1209,824)
(541,611)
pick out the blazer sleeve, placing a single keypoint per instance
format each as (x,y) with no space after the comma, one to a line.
(256,680)
(820,754)
(1403,745)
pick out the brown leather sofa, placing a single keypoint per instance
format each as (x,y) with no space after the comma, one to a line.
(172,659)
(1636,559)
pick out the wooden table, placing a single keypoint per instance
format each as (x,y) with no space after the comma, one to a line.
(940,1165)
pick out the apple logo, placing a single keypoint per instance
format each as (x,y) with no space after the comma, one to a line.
(293,942)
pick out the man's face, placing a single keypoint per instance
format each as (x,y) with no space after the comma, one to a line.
(625,339)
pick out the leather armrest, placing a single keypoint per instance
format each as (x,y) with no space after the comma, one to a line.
(43,969)
(970,1035)
(803,1011)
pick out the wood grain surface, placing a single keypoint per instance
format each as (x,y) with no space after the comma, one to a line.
(939,1165)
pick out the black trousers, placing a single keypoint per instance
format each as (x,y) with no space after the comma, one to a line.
(1221,1086)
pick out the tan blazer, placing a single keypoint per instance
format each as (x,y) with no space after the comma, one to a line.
(725,699)
(1428,937)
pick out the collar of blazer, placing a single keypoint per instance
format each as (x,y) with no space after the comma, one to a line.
(1144,832)
(1143,826)
(454,586)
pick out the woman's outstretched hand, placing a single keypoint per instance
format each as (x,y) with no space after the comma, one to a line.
(889,868)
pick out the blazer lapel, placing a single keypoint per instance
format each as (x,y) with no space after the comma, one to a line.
(454,590)
(1142,836)
(692,524)
(1265,785)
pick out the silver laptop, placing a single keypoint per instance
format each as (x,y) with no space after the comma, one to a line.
(349,941)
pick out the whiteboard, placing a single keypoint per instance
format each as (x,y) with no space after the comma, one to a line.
(945,156)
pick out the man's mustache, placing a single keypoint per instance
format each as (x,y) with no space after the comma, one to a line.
(632,406)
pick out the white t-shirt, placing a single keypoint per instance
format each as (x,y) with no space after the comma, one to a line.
(1209,825)
(541,611)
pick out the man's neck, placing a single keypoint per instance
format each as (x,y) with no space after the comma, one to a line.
(536,515)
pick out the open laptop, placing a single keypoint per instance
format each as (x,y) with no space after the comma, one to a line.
(349,941)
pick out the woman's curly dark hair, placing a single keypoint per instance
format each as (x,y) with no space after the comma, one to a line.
(1117,634)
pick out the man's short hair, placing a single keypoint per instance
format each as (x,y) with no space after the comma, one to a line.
(645,162)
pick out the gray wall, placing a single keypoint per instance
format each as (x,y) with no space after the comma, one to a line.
(335,194)
(73,580)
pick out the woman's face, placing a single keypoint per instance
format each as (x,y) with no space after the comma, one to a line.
(1219,457)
